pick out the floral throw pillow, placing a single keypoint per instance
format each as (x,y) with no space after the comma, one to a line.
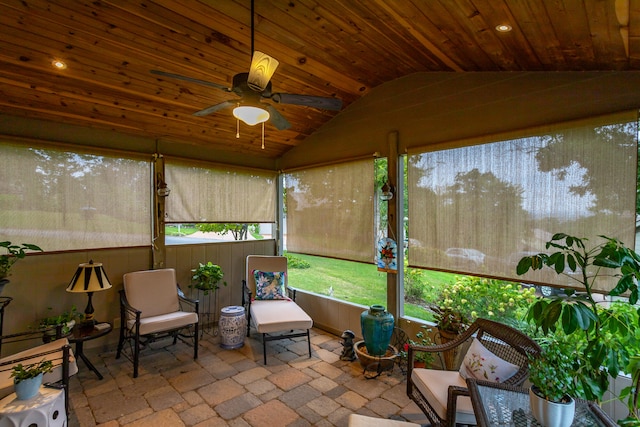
(481,364)
(269,284)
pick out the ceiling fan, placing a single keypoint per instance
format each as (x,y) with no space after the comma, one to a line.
(254,87)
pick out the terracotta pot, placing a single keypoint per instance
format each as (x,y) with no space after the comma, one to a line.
(372,363)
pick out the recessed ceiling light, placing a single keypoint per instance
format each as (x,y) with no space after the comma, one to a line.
(503,28)
(60,65)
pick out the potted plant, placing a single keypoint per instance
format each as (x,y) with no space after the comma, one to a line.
(12,254)
(551,375)
(422,359)
(206,277)
(604,337)
(27,379)
(67,319)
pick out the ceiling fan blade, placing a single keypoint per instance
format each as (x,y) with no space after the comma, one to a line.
(321,102)
(262,68)
(277,119)
(214,108)
(192,80)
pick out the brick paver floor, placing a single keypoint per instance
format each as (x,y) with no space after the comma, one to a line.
(235,388)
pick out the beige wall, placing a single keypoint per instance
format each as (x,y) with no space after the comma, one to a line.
(39,280)
(451,109)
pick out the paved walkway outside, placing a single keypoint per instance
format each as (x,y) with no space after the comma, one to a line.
(235,388)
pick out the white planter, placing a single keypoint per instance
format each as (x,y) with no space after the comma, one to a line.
(551,414)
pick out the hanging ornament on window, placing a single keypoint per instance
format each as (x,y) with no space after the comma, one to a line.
(387,255)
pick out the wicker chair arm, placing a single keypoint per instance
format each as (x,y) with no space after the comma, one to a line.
(452,400)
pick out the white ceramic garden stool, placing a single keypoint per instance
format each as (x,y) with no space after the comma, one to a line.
(46,409)
(233,327)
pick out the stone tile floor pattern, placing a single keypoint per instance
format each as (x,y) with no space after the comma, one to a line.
(234,387)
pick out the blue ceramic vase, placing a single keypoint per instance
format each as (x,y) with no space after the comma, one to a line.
(377,327)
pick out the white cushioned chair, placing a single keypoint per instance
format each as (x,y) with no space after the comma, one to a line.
(270,304)
(496,350)
(57,351)
(151,309)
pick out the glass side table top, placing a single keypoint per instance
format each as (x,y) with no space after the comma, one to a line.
(502,405)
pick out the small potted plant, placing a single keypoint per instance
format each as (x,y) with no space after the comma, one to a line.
(12,254)
(67,319)
(27,379)
(206,277)
(451,323)
(422,359)
(552,384)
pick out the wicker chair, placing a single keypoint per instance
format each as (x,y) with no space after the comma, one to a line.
(443,395)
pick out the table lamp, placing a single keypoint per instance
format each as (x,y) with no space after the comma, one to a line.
(89,277)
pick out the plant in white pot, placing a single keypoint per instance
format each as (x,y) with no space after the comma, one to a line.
(27,379)
(604,336)
(552,377)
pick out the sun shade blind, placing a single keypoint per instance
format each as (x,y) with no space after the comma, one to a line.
(330,211)
(62,200)
(480,209)
(204,193)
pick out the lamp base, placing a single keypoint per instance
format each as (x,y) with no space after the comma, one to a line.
(87,325)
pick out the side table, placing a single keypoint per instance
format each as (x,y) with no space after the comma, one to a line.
(80,334)
(505,405)
(46,409)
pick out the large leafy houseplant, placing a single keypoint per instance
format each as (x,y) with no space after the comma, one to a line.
(206,277)
(12,253)
(605,337)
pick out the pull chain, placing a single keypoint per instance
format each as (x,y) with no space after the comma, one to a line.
(263,135)
(237,128)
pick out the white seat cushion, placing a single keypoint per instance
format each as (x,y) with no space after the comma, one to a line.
(165,322)
(6,381)
(434,386)
(278,315)
(356,420)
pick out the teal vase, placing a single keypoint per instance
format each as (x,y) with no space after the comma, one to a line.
(377,328)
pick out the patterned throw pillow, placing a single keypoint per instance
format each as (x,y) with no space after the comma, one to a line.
(481,364)
(269,284)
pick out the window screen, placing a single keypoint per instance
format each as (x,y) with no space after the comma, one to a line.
(61,199)
(330,211)
(480,209)
(205,193)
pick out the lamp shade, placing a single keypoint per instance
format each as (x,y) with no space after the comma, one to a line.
(89,277)
(262,68)
(251,115)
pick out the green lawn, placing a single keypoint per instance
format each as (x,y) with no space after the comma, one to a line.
(359,283)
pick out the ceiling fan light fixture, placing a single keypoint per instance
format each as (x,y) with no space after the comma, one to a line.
(251,115)
(262,68)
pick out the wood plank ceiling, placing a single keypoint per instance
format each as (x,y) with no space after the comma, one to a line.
(329,48)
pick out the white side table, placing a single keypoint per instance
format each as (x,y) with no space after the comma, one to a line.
(44,410)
